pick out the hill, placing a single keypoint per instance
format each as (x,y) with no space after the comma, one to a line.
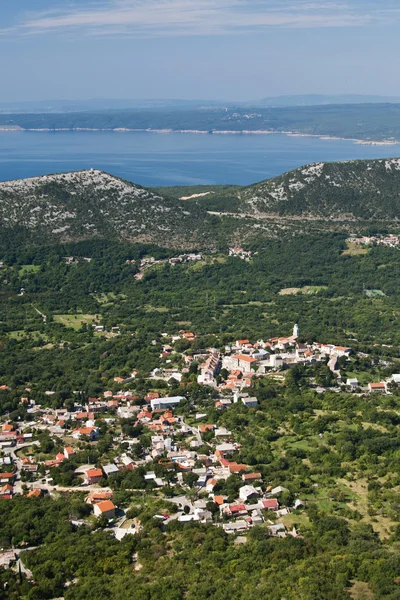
(86,204)
(352,190)
(319,197)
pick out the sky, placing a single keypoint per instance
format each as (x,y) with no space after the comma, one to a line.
(197,49)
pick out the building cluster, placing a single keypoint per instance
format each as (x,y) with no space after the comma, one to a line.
(240,253)
(203,450)
(188,453)
(391,239)
(150,261)
(73,260)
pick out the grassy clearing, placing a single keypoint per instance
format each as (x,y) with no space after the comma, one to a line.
(307,289)
(364,378)
(359,491)
(75,321)
(22,334)
(108,297)
(160,309)
(299,520)
(360,591)
(27,269)
(354,250)
(376,426)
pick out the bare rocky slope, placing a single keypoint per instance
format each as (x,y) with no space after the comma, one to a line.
(351,190)
(85,204)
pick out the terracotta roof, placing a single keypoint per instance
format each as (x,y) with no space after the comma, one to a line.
(86,430)
(245,358)
(204,428)
(251,476)
(237,508)
(270,503)
(106,505)
(33,494)
(94,473)
(236,467)
(99,496)
(6,488)
(218,500)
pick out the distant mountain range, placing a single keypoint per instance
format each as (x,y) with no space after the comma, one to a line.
(323,99)
(81,205)
(95,104)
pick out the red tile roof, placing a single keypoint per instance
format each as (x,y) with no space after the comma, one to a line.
(270,503)
(235,508)
(106,505)
(94,473)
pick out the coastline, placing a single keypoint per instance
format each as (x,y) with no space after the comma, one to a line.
(362,142)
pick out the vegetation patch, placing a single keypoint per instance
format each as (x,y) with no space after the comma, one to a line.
(75,321)
(354,249)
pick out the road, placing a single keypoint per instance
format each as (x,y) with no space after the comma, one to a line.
(18,463)
(46,487)
(20,565)
(194,430)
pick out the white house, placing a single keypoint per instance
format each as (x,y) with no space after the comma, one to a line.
(250,402)
(246,492)
(158,403)
(352,382)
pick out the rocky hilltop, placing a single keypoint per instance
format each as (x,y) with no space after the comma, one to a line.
(352,190)
(85,204)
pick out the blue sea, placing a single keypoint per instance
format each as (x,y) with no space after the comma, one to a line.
(157,159)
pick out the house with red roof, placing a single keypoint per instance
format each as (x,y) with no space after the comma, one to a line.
(68,452)
(93,476)
(105,508)
(243,362)
(270,504)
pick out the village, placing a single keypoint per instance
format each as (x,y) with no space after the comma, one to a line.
(392,240)
(187,458)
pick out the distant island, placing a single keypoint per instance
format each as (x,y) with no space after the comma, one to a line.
(364,123)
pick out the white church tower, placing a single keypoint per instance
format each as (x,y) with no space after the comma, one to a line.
(296,330)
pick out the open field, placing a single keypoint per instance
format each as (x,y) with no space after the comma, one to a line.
(75,321)
(26,269)
(354,250)
(359,490)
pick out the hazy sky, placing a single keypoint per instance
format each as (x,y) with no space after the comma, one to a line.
(217,49)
